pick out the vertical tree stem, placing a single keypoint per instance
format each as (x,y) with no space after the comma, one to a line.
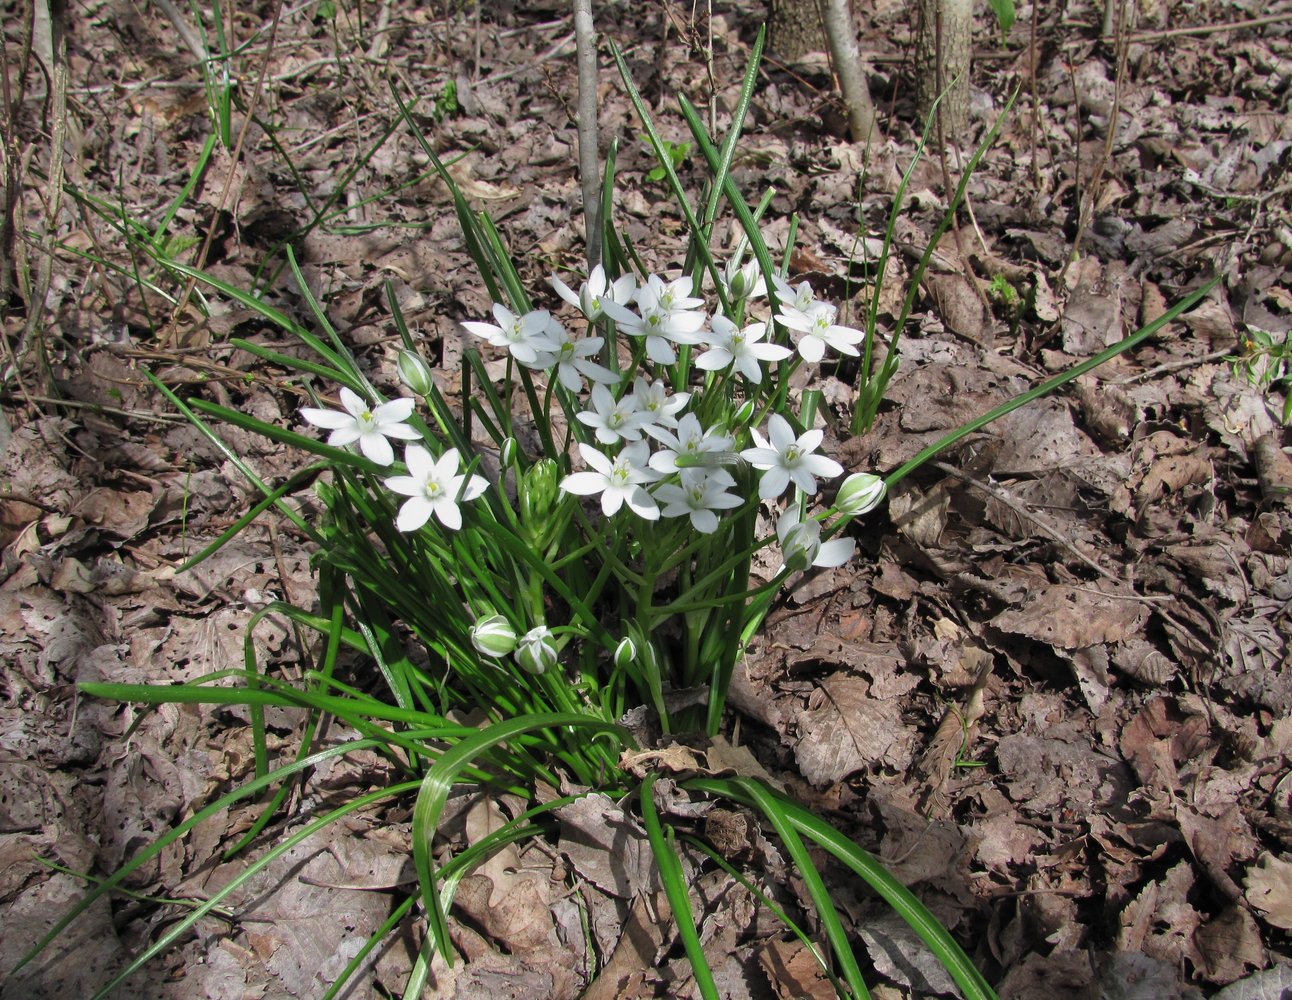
(585,41)
(836,18)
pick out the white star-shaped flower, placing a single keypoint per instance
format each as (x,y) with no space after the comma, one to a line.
(691,447)
(613,419)
(619,480)
(595,291)
(801,298)
(652,400)
(433,486)
(788,458)
(818,330)
(666,315)
(368,425)
(573,358)
(698,494)
(524,336)
(740,347)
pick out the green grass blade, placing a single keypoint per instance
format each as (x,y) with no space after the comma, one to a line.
(772,905)
(335,456)
(161,843)
(971,982)
(177,930)
(675,887)
(232,455)
(466,218)
(812,881)
(280,697)
(289,486)
(722,169)
(1050,384)
(302,365)
(666,164)
(439,781)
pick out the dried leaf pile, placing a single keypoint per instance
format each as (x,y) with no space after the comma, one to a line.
(1053,694)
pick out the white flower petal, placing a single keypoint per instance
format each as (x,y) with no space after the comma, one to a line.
(447,511)
(584,483)
(343,436)
(327,419)
(394,412)
(405,485)
(415,512)
(351,401)
(780,432)
(835,552)
(377,448)
(773,483)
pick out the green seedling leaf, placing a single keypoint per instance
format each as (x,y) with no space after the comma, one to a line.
(1050,384)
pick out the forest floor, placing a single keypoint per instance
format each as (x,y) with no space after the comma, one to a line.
(1052,690)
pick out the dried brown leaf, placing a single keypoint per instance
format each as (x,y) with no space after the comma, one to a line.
(1269,889)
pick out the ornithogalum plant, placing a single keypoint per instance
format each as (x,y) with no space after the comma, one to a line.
(570,547)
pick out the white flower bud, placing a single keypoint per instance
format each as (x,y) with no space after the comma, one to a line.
(414,372)
(859,494)
(801,545)
(744,415)
(625,653)
(493,636)
(536,652)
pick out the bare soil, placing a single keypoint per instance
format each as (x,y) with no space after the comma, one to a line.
(1052,692)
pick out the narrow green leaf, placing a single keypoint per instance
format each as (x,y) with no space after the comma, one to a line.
(439,781)
(675,887)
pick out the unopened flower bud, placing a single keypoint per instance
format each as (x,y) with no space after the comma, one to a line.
(539,492)
(493,636)
(744,415)
(859,494)
(415,373)
(536,652)
(625,653)
(507,454)
(745,281)
(801,545)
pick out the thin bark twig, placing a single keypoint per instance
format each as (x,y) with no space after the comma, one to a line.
(585,41)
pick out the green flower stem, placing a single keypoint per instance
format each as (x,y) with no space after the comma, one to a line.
(716,576)
(952,958)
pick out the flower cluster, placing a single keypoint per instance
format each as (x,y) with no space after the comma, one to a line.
(650,455)
(432,486)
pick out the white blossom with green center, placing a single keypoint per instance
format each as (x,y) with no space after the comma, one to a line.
(597,290)
(619,480)
(698,494)
(524,336)
(693,445)
(785,458)
(433,486)
(652,400)
(818,330)
(369,426)
(613,419)
(666,315)
(742,348)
